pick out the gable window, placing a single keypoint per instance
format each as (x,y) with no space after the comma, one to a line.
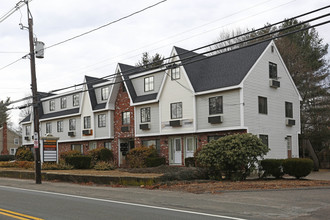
(175,73)
(72,124)
(264,139)
(215,105)
(48,128)
(262,102)
(145,114)
(288,110)
(126,118)
(149,84)
(16,141)
(75,99)
(87,122)
(63,102)
(272,70)
(104,93)
(101,120)
(176,110)
(60,126)
(27,130)
(51,105)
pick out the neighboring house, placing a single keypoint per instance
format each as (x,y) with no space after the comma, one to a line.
(184,106)
(9,140)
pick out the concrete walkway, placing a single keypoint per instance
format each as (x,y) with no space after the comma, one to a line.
(322,174)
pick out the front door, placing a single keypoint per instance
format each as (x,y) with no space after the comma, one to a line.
(177,151)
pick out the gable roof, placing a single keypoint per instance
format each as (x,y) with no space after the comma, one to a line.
(222,70)
(90,82)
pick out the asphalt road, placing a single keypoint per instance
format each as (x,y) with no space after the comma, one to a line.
(73,201)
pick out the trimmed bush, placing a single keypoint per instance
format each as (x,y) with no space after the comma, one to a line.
(136,158)
(155,161)
(189,162)
(7,157)
(272,167)
(24,154)
(101,154)
(298,167)
(102,165)
(69,153)
(55,166)
(79,162)
(234,155)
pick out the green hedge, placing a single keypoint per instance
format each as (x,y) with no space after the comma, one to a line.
(272,167)
(189,162)
(7,157)
(79,162)
(155,161)
(298,167)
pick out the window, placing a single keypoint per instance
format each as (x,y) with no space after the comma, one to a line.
(215,105)
(272,70)
(51,105)
(288,110)
(176,110)
(126,118)
(104,93)
(92,145)
(149,84)
(264,139)
(145,114)
(77,147)
(214,137)
(16,141)
(48,128)
(75,99)
(175,73)
(72,124)
(60,126)
(155,143)
(101,121)
(87,122)
(27,130)
(13,151)
(63,102)
(107,145)
(262,105)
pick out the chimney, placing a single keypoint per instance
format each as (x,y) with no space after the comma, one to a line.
(4,138)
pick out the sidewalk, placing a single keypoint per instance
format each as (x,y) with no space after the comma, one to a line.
(322,174)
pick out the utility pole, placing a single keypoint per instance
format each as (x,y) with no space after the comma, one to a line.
(35,98)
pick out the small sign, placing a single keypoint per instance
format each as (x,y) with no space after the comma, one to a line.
(36,141)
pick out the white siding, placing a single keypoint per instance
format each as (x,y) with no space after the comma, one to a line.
(86,110)
(231,110)
(272,124)
(154,120)
(103,131)
(138,83)
(69,103)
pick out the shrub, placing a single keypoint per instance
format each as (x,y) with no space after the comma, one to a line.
(24,164)
(24,154)
(272,167)
(55,166)
(102,165)
(7,157)
(79,162)
(189,162)
(7,164)
(101,154)
(298,167)
(185,173)
(235,155)
(136,158)
(69,153)
(155,161)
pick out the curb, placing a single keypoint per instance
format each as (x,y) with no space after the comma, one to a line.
(74,178)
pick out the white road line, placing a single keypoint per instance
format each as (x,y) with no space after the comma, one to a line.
(125,203)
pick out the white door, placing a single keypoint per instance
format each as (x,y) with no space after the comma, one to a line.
(177,151)
(190,147)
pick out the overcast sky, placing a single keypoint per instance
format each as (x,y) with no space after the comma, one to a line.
(185,23)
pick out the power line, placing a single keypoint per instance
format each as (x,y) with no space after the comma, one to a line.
(14,9)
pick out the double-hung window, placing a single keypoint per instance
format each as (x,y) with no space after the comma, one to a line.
(272,70)
(176,110)
(52,105)
(63,102)
(75,99)
(27,130)
(288,110)
(215,105)
(87,122)
(145,114)
(262,103)
(72,124)
(48,128)
(149,84)
(60,126)
(264,139)
(126,120)
(175,73)
(101,120)
(104,93)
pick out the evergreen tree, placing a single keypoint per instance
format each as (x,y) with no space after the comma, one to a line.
(4,117)
(150,62)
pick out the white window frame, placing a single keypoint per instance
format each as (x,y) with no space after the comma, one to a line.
(63,103)
(218,105)
(75,100)
(52,105)
(48,128)
(175,73)
(145,114)
(101,121)
(59,126)
(149,84)
(87,122)
(16,141)
(104,93)
(126,118)
(72,124)
(177,109)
